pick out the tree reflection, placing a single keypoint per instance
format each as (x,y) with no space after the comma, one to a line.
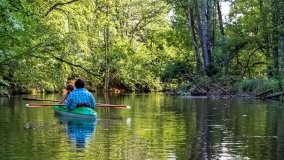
(280,135)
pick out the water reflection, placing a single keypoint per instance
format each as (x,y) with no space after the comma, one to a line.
(280,135)
(79,131)
(156,127)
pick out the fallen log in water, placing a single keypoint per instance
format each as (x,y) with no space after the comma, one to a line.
(264,94)
(275,95)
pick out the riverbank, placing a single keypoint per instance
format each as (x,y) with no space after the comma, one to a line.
(221,88)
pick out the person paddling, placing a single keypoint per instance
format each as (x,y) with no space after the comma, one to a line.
(69,88)
(80,96)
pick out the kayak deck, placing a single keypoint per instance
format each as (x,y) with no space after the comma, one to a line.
(80,112)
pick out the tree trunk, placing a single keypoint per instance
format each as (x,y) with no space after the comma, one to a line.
(203,36)
(275,52)
(209,33)
(191,26)
(202,32)
(106,41)
(205,32)
(265,34)
(281,24)
(222,31)
(275,38)
(282,52)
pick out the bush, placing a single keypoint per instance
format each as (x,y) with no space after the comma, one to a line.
(258,85)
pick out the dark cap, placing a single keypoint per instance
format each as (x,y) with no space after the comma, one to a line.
(79,83)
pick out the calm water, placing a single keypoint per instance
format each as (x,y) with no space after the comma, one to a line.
(157,127)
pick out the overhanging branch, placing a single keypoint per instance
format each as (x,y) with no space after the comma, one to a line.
(21,54)
(76,65)
(58,5)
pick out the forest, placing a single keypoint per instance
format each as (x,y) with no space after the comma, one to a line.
(176,46)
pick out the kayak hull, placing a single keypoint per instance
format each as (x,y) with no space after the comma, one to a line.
(80,112)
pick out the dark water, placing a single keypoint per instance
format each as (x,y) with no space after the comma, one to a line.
(157,127)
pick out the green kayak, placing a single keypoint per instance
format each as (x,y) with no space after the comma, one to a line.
(80,112)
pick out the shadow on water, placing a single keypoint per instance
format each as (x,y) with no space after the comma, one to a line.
(79,131)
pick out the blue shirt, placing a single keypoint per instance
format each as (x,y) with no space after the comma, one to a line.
(80,96)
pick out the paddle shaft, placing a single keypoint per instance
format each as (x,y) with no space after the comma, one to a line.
(36,99)
(98,105)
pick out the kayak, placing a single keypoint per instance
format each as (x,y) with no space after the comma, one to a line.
(79,112)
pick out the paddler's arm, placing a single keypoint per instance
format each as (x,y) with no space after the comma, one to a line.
(69,102)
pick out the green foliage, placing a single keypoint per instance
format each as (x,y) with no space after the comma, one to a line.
(258,85)
(3,82)
(133,40)
(4,85)
(177,76)
(178,70)
(129,69)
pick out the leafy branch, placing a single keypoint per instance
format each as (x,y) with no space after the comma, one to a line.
(58,5)
(22,54)
(76,65)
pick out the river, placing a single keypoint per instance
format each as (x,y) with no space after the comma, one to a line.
(157,127)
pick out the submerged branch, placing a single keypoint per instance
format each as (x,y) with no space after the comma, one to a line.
(223,90)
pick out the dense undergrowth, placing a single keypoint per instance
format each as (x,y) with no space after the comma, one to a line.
(195,86)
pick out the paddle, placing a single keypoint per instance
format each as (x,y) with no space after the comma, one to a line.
(42,105)
(36,99)
(98,105)
(112,105)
